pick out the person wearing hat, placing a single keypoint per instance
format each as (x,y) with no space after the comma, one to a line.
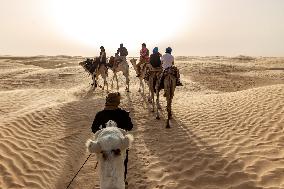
(112,111)
(155,58)
(144,58)
(155,63)
(168,61)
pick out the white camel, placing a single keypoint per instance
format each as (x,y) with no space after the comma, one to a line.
(124,68)
(110,146)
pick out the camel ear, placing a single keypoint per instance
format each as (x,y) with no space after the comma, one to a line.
(127,141)
(93,146)
(122,131)
(97,134)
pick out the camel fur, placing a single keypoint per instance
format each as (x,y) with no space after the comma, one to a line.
(124,68)
(109,145)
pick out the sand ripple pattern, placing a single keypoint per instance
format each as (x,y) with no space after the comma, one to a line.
(222,136)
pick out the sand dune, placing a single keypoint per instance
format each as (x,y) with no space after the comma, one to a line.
(227,129)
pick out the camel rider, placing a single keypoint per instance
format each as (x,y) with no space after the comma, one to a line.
(155,62)
(144,58)
(122,52)
(102,55)
(155,58)
(113,112)
(168,62)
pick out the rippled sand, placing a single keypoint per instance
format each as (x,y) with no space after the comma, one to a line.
(227,129)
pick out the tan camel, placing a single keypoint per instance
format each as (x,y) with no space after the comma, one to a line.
(102,71)
(169,89)
(141,77)
(110,146)
(124,68)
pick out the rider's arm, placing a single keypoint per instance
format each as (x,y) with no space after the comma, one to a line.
(127,121)
(97,123)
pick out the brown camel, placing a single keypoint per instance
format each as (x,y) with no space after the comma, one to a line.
(153,81)
(169,82)
(141,77)
(95,70)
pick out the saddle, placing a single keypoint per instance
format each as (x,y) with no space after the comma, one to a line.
(169,71)
(151,70)
(114,62)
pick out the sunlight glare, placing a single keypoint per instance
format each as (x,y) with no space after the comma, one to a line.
(110,22)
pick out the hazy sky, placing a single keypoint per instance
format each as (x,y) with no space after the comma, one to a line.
(191,27)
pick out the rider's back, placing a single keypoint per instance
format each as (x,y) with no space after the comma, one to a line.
(120,116)
(167,60)
(155,60)
(123,51)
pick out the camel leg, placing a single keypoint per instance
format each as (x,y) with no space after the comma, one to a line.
(149,93)
(94,84)
(127,81)
(112,81)
(169,111)
(117,87)
(152,93)
(141,86)
(105,84)
(157,100)
(168,91)
(157,105)
(115,77)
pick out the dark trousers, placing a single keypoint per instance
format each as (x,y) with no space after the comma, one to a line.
(125,164)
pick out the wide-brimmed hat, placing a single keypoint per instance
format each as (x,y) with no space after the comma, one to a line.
(113,99)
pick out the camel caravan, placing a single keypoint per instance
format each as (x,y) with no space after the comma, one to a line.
(99,67)
(111,142)
(155,71)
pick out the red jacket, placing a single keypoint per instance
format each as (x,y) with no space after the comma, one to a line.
(144,55)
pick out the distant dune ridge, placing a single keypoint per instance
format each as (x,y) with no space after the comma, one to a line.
(227,128)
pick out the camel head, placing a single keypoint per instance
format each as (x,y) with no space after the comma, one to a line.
(110,145)
(87,61)
(133,61)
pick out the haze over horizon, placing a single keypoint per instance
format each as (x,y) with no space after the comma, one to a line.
(193,27)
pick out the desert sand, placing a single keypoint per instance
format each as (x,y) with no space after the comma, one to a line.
(227,127)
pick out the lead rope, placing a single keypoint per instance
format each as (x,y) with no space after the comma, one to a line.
(80,170)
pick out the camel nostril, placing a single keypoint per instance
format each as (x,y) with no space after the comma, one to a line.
(116,152)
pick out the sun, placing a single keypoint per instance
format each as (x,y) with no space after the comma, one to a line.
(111,22)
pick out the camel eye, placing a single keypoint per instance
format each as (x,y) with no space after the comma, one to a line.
(116,152)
